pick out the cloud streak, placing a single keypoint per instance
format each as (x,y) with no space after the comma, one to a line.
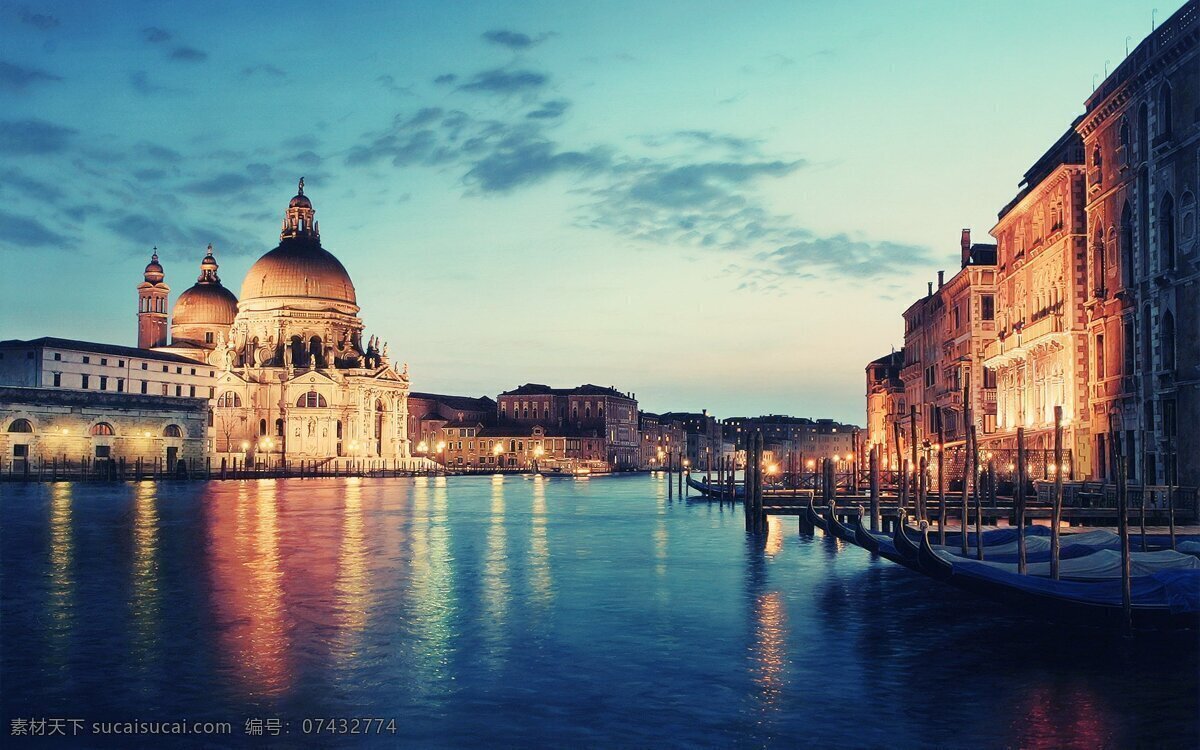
(33,137)
(18,78)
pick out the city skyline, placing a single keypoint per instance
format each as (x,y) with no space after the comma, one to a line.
(712,225)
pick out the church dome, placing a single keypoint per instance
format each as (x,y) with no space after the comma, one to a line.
(299,266)
(207,302)
(154,270)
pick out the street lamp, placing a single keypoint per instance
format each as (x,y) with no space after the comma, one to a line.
(497,449)
(538,451)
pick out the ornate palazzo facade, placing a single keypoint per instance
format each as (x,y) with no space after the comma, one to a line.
(1039,358)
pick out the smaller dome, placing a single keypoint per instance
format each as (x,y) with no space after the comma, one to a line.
(154,270)
(300,200)
(205,304)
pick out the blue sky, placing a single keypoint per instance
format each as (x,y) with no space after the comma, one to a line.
(715,205)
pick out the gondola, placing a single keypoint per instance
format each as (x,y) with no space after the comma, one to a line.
(717,491)
(906,547)
(1168,600)
(862,536)
(836,527)
(814,518)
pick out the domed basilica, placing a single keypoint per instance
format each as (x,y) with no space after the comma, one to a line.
(297,381)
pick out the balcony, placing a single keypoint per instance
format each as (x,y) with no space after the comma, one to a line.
(1014,346)
(1095,180)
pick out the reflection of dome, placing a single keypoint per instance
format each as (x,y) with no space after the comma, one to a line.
(205,304)
(299,267)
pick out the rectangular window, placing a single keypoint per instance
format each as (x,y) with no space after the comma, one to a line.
(145,366)
(987,303)
(179,390)
(144,386)
(1099,356)
(165,369)
(178,370)
(120,363)
(86,359)
(120,385)
(164,389)
(1127,358)
(104,360)
(192,391)
(104,382)
(208,337)
(58,356)
(212,392)
(193,370)
(57,379)
(84,379)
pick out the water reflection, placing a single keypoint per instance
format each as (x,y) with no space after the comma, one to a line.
(247,589)
(539,547)
(61,599)
(432,589)
(353,587)
(496,577)
(146,600)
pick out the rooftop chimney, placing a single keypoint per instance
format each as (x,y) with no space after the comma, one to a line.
(941,279)
(966,248)
(929,291)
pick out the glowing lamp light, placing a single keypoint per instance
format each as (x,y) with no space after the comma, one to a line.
(497,449)
(66,431)
(441,446)
(422,446)
(812,464)
(245,445)
(147,433)
(773,469)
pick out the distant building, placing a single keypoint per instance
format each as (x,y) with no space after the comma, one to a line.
(886,409)
(796,439)
(703,436)
(428,413)
(585,411)
(945,334)
(509,445)
(659,439)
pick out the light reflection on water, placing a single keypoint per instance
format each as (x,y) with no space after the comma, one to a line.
(534,611)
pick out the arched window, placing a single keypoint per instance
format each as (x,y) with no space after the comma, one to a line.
(1147,342)
(229,399)
(1126,245)
(279,428)
(172,430)
(1187,224)
(1143,132)
(298,353)
(1123,135)
(20,425)
(1098,262)
(1166,232)
(262,427)
(1097,157)
(1164,109)
(315,351)
(311,400)
(1168,341)
(102,428)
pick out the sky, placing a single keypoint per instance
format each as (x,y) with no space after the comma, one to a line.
(714,205)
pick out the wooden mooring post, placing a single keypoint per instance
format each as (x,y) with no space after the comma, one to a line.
(941,477)
(1123,531)
(1056,512)
(976,492)
(1019,500)
(874,469)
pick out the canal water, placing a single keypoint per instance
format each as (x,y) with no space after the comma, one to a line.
(519,612)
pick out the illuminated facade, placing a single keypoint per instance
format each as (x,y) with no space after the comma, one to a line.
(297,381)
(1141,138)
(1039,358)
(886,408)
(589,411)
(39,426)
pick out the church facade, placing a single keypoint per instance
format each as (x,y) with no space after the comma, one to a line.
(296,378)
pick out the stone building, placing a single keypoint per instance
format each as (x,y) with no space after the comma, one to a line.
(704,436)
(945,334)
(1038,359)
(1141,138)
(886,409)
(39,426)
(428,413)
(586,411)
(659,438)
(519,446)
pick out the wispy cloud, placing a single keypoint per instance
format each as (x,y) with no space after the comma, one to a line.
(40,21)
(18,78)
(549,110)
(140,81)
(501,81)
(156,35)
(22,233)
(32,136)
(513,40)
(188,54)
(263,69)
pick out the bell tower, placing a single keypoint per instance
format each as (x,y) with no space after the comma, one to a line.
(152,306)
